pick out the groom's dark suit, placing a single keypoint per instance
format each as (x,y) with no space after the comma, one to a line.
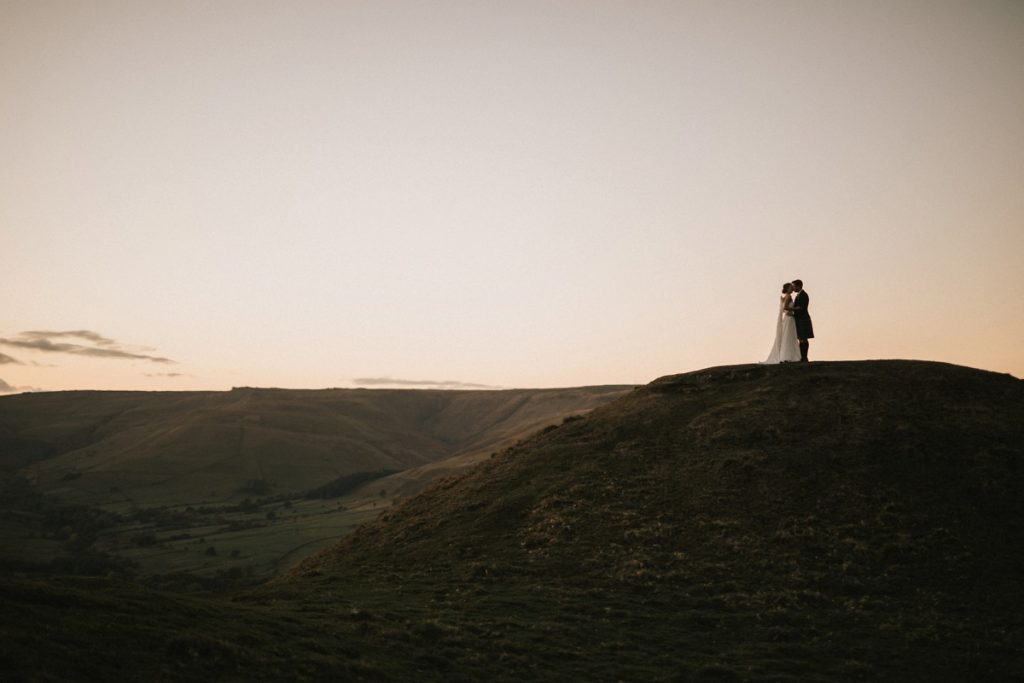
(804,328)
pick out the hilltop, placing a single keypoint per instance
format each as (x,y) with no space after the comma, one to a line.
(866,517)
(831,522)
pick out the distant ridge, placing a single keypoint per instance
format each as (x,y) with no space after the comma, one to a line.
(832,522)
(157,448)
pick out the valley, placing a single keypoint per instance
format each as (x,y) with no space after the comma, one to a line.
(215,489)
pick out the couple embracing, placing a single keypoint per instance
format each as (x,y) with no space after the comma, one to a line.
(794,326)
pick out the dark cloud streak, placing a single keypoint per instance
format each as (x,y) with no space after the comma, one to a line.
(102,347)
(8,360)
(89,335)
(418,383)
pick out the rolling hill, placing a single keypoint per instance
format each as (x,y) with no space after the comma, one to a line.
(831,522)
(234,486)
(180,448)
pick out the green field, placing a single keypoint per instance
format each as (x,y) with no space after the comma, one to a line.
(241,543)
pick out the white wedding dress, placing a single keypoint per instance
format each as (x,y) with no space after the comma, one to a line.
(786,348)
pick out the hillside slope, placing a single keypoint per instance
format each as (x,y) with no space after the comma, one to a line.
(831,522)
(170,448)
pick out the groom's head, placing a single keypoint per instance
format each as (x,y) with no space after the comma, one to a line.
(798,285)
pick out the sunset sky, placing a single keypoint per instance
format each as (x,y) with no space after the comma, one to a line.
(200,195)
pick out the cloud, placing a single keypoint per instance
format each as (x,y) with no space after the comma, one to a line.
(5,359)
(97,346)
(89,335)
(166,374)
(393,383)
(6,388)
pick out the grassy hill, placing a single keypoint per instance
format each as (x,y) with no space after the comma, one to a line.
(234,485)
(175,448)
(831,522)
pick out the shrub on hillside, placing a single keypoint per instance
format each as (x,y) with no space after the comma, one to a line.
(346,484)
(256,487)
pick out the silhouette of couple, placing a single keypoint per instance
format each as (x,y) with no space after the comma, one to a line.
(794,328)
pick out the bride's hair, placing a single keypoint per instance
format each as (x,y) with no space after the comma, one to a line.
(787,288)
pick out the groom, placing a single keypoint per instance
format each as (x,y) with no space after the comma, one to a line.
(804,329)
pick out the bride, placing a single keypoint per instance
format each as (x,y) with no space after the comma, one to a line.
(785,348)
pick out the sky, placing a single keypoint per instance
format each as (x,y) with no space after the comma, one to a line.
(200,195)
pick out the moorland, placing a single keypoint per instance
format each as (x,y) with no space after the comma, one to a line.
(835,521)
(217,488)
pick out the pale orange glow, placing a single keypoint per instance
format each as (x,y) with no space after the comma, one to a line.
(508,194)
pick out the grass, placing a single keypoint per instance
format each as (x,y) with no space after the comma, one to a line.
(245,542)
(151,449)
(838,522)
(259,551)
(170,468)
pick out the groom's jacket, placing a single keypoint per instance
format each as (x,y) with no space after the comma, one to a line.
(804,329)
